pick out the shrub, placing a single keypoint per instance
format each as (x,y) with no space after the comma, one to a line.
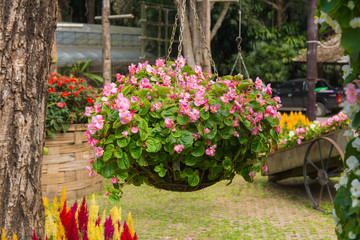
(67,100)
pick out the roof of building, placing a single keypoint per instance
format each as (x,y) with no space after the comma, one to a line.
(329,52)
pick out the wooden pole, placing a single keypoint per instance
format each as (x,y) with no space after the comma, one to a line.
(106,42)
(311,64)
(206,28)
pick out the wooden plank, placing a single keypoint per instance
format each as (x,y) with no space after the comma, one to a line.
(52,178)
(52,168)
(76,127)
(72,166)
(61,138)
(75,148)
(57,159)
(69,176)
(53,150)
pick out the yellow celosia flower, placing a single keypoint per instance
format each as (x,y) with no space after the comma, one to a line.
(93,216)
(131,225)
(62,198)
(115,214)
(116,232)
(3,236)
(46,206)
(54,206)
(14,237)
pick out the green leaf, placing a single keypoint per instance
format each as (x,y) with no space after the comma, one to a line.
(110,139)
(182,119)
(107,155)
(228,121)
(349,39)
(226,163)
(170,113)
(176,133)
(109,147)
(122,175)
(135,151)
(186,139)
(158,168)
(118,153)
(123,163)
(204,114)
(108,171)
(190,160)
(153,145)
(144,109)
(141,161)
(125,90)
(219,88)
(257,145)
(119,131)
(199,151)
(244,84)
(194,179)
(98,165)
(227,132)
(143,92)
(123,142)
(162,173)
(162,90)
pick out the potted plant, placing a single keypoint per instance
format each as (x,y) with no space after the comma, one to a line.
(68,154)
(179,129)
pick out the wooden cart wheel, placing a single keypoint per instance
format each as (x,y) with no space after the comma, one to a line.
(323,161)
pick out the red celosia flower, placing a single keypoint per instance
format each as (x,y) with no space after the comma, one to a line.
(34,237)
(109,229)
(126,235)
(76,94)
(66,81)
(71,87)
(83,219)
(82,88)
(69,222)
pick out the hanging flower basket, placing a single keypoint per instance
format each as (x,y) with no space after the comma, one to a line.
(178,129)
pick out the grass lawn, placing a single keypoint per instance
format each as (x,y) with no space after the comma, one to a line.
(259,210)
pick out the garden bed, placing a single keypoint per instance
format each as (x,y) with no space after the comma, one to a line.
(64,166)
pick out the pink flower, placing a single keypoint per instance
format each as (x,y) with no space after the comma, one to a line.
(98,121)
(264,168)
(159,62)
(252,175)
(88,111)
(258,83)
(92,161)
(99,151)
(194,115)
(224,99)
(119,77)
(299,141)
(168,122)
(133,80)
(178,148)
(173,129)
(134,130)
(125,133)
(144,83)
(114,180)
(91,172)
(210,151)
(109,89)
(351,93)
(268,89)
(236,134)
(92,142)
(60,105)
(134,99)
(206,131)
(158,105)
(125,117)
(107,193)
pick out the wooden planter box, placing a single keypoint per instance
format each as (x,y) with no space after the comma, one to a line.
(65,165)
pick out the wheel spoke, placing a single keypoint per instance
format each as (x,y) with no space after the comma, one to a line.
(335,170)
(320,195)
(307,159)
(321,159)
(335,174)
(331,181)
(311,181)
(328,161)
(329,191)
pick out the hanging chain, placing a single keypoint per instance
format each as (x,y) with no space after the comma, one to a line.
(204,39)
(182,5)
(239,40)
(173,35)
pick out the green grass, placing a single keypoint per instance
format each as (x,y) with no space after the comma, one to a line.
(259,210)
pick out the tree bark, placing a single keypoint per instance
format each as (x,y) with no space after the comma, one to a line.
(311,66)
(219,20)
(106,42)
(90,11)
(206,28)
(26,34)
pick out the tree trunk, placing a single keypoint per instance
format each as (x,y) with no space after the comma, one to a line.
(311,66)
(26,34)
(206,27)
(196,43)
(106,42)
(90,11)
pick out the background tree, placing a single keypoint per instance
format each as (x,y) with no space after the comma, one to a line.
(26,35)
